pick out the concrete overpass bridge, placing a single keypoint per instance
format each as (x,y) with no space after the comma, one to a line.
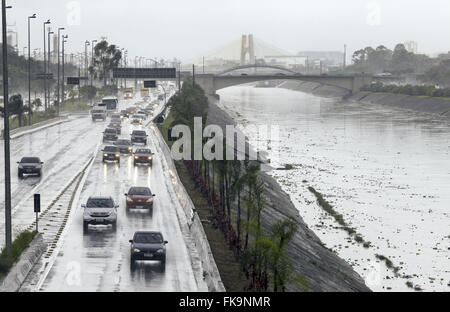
(211,83)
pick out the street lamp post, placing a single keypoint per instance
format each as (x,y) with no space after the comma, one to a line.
(57,85)
(48,64)
(126,64)
(45,67)
(86,43)
(63,64)
(92,61)
(8,225)
(29,70)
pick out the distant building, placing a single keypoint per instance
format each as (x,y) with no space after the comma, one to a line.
(328,57)
(12,37)
(411,46)
(288,61)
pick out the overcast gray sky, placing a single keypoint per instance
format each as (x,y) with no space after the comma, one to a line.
(189,28)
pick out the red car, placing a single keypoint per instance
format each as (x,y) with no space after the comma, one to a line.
(139,198)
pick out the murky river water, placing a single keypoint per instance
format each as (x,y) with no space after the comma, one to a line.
(387,171)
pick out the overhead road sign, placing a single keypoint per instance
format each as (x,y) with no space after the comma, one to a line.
(145,73)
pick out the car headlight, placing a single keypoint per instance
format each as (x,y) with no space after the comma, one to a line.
(160,251)
(150,158)
(135,157)
(136,250)
(130,148)
(129,199)
(150,200)
(106,155)
(117,155)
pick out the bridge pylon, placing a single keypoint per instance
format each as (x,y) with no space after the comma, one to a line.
(247,47)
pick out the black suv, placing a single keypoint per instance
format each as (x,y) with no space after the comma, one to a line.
(111,153)
(110,134)
(139,136)
(148,246)
(30,165)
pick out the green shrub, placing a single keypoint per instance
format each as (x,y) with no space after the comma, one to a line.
(21,243)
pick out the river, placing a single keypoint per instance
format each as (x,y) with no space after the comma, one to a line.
(387,171)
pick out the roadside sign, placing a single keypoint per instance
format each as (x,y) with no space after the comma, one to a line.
(37,202)
(37,208)
(143,73)
(73,80)
(150,84)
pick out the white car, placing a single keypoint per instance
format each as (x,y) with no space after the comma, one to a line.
(99,210)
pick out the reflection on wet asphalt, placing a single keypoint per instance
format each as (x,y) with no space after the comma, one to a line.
(99,259)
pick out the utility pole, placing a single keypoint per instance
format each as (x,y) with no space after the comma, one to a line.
(29,70)
(193,75)
(45,67)
(8,225)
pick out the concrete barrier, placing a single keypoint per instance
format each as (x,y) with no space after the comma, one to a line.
(16,133)
(211,274)
(20,270)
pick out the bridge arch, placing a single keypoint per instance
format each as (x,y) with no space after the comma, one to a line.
(257,66)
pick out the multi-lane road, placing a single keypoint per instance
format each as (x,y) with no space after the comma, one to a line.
(100,259)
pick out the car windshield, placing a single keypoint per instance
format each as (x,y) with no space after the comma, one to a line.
(30,160)
(100,203)
(143,151)
(110,131)
(97,111)
(111,149)
(136,116)
(141,191)
(115,116)
(123,142)
(137,132)
(148,238)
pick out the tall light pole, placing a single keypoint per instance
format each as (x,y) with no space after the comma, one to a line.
(92,61)
(63,64)
(29,70)
(45,67)
(8,226)
(86,43)
(57,85)
(48,64)
(126,64)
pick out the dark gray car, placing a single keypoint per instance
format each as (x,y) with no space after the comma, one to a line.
(124,146)
(148,246)
(110,134)
(30,165)
(139,136)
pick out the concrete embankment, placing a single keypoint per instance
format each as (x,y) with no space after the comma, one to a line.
(423,104)
(322,268)
(20,270)
(315,89)
(429,105)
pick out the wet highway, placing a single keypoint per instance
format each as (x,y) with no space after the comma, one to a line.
(64,149)
(99,260)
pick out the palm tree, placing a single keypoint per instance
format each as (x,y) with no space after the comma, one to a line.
(281,234)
